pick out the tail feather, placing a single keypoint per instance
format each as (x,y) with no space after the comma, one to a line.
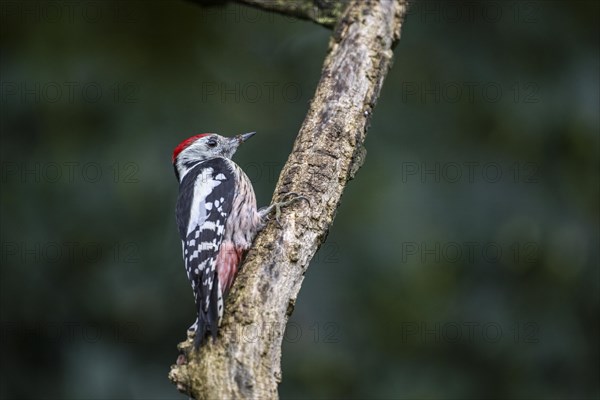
(209,318)
(208,321)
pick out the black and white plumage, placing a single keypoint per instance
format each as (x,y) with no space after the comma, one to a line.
(217,220)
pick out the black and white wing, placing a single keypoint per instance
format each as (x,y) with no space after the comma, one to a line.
(204,203)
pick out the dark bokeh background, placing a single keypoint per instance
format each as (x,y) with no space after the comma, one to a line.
(463,262)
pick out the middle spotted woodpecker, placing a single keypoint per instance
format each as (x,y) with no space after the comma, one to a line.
(217,219)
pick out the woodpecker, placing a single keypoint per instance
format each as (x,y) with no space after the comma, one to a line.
(217,220)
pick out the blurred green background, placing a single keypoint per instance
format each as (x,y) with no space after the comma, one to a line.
(463,261)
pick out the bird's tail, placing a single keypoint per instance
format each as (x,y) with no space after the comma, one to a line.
(208,321)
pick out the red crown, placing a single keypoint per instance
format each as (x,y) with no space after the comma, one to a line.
(183,145)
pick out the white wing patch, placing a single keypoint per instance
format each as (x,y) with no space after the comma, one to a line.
(203,186)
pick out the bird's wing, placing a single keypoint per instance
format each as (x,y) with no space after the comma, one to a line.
(204,203)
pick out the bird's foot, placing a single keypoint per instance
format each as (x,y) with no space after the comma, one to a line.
(266,211)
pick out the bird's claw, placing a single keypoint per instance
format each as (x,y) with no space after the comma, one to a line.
(279,205)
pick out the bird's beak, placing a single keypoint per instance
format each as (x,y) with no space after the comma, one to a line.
(243,137)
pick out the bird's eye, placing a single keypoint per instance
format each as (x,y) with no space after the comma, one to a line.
(211,143)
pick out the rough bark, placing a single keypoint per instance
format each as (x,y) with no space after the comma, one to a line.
(245,359)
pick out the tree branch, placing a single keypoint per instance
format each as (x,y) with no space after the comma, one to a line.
(323,12)
(245,359)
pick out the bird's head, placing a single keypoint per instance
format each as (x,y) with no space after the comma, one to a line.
(205,147)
